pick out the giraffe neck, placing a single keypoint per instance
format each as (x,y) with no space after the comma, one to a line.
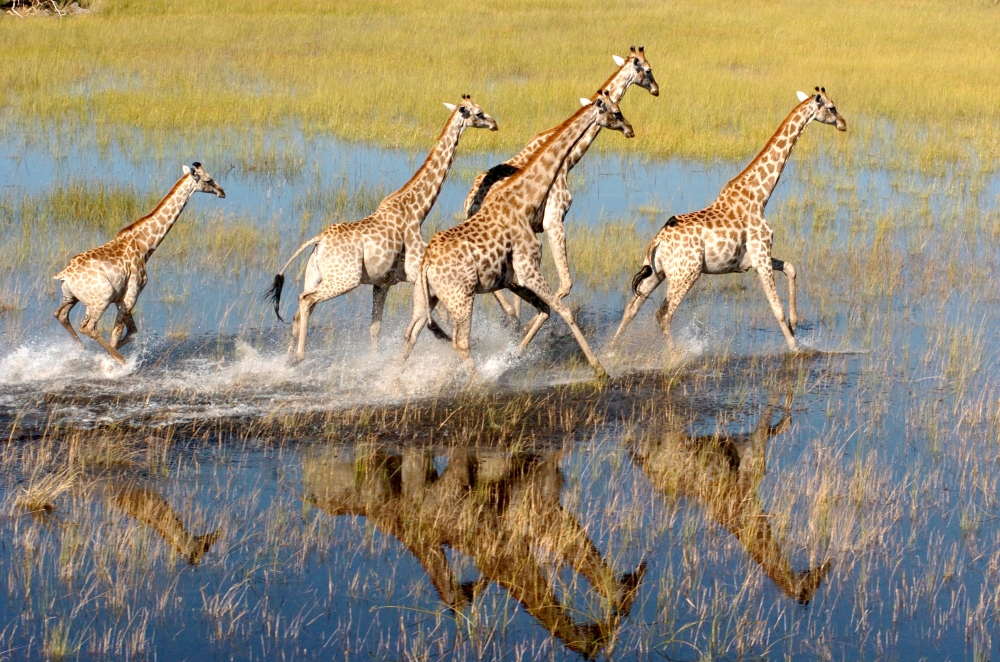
(532,184)
(148,232)
(760,177)
(425,185)
(616,86)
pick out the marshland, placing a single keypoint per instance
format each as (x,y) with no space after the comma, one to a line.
(211,499)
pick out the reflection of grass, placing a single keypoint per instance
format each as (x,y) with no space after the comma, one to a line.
(378,72)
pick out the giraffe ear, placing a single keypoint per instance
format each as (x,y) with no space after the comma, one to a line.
(585,102)
(186,169)
(802,96)
(618,60)
(450,106)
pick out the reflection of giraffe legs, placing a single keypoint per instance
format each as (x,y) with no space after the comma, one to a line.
(152,509)
(521,576)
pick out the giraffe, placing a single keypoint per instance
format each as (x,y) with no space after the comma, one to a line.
(384,248)
(731,235)
(721,472)
(497,248)
(498,509)
(633,70)
(115,272)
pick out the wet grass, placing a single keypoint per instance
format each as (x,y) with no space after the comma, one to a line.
(360,71)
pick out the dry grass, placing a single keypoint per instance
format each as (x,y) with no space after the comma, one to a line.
(362,71)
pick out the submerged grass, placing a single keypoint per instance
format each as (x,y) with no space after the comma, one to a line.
(377,72)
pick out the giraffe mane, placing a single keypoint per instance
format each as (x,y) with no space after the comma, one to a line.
(607,83)
(770,142)
(553,135)
(155,211)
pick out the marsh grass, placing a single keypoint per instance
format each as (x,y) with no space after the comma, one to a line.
(367,72)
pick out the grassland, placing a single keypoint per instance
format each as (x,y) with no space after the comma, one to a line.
(378,71)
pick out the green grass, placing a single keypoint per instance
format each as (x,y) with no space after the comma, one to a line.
(378,71)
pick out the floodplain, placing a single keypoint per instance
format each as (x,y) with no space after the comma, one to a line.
(209,500)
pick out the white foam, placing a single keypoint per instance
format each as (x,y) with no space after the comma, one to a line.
(60,359)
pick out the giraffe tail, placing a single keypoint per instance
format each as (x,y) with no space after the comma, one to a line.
(644,273)
(273,293)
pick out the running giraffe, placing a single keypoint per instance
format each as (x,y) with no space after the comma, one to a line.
(497,248)
(384,248)
(115,273)
(633,70)
(731,235)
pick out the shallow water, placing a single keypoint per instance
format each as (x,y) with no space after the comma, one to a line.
(733,475)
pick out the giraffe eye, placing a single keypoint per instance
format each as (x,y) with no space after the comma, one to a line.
(481,115)
(618,115)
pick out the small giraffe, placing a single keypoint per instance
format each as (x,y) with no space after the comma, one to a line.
(633,70)
(386,247)
(115,273)
(730,235)
(498,248)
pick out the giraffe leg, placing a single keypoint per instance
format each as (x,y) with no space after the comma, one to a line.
(643,291)
(89,328)
(513,314)
(379,293)
(789,269)
(557,204)
(677,288)
(530,278)
(766,275)
(538,320)
(62,314)
(461,320)
(132,330)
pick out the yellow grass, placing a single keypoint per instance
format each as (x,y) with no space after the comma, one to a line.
(378,71)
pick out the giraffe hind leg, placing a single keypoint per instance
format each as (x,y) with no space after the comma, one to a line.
(62,314)
(124,322)
(89,329)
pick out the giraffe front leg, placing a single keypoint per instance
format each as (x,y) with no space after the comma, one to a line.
(556,206)
(766,275)
(539,319)
(379,293)
(532,279)
(789,270)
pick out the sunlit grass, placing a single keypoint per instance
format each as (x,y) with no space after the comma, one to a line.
(377,72)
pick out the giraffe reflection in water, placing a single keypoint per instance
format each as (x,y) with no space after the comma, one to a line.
(721,473)
(498,509)
(144,504)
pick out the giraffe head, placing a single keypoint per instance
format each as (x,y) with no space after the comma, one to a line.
(643,74)
(826,110)
(203,181)
(609,115)
(472,115)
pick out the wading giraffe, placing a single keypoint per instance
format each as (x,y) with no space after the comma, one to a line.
(721,473)
(633,70)
(730,235)
(497,248)
(115,273)
(500,510)
(384,248)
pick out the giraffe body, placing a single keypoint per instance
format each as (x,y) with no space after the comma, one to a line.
(115,272)
(633,70)
(384,248)
(497,248)
(731,235)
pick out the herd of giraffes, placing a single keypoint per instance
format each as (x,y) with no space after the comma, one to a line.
(496,248)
